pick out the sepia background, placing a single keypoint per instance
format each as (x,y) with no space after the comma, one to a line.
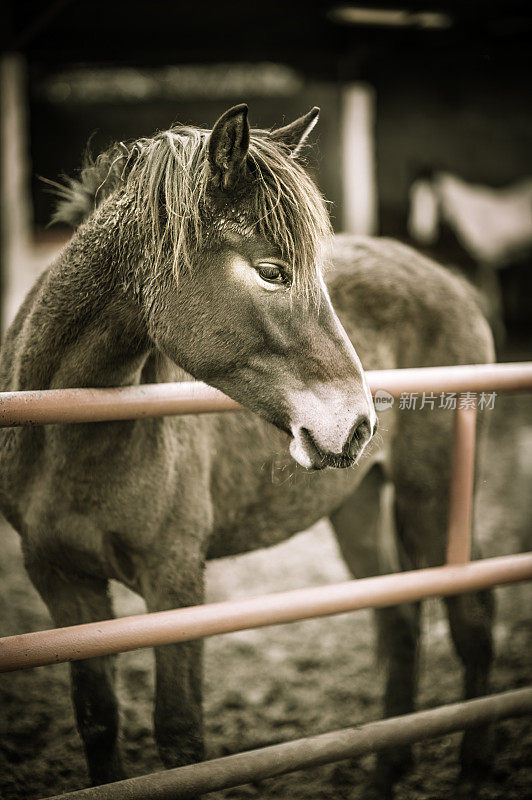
(425,134)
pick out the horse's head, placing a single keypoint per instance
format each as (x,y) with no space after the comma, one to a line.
(245,230)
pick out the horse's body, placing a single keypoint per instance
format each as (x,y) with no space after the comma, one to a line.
(147,501)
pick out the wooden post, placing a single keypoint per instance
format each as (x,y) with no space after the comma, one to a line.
(358,159)
(15,200)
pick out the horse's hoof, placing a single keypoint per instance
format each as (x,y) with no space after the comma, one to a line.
(108,771)
(476,753)
(393,765)
(110,776)
(468,788)
(374,791)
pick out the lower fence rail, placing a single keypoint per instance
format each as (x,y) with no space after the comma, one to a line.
(314,751)
(184,624)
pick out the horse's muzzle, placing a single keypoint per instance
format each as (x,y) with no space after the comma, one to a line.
(306,450)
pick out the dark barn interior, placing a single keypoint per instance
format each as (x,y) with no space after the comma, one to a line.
(450,90)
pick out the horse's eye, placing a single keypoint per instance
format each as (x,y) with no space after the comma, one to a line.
(272,273)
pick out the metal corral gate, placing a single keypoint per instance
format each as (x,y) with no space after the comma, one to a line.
(145,630)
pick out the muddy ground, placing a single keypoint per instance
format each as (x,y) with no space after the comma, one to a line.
(285,682)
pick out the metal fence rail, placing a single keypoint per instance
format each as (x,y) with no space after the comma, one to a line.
(313,751)
(183,624)
(117,635)
(161,399)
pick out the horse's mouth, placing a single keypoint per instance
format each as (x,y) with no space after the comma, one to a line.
(333,462)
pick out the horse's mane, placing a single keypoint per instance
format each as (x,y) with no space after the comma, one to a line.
(283,204)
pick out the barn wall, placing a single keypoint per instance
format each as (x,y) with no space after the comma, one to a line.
(474,124)
(60,131)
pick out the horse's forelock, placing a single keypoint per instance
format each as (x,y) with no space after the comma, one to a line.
(290,210)
(279,198)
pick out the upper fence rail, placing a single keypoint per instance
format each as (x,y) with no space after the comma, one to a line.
(42,407)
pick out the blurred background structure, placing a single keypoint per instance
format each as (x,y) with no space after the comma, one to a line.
(413,95)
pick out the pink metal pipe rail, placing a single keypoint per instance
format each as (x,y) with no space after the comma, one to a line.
(183,624)
(462,485)
(160,399)
(314,751)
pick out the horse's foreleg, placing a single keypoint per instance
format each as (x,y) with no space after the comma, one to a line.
(422,489)
(365,529)
(398,633)
(96,709)
(73,600)
(470,620)
(178,711)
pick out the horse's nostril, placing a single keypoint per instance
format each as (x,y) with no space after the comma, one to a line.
(313,446)
(362,429)
(375,427)
(360,435)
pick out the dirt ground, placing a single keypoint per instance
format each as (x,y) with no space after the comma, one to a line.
(280,683)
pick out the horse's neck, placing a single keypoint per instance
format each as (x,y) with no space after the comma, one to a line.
(82,328)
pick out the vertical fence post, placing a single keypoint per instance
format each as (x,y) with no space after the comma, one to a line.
(461,490)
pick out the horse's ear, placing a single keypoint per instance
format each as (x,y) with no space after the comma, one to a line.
(228,146)
(295,134)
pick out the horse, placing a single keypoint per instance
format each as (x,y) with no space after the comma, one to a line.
(494,226)
(487,229)
(201,254)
